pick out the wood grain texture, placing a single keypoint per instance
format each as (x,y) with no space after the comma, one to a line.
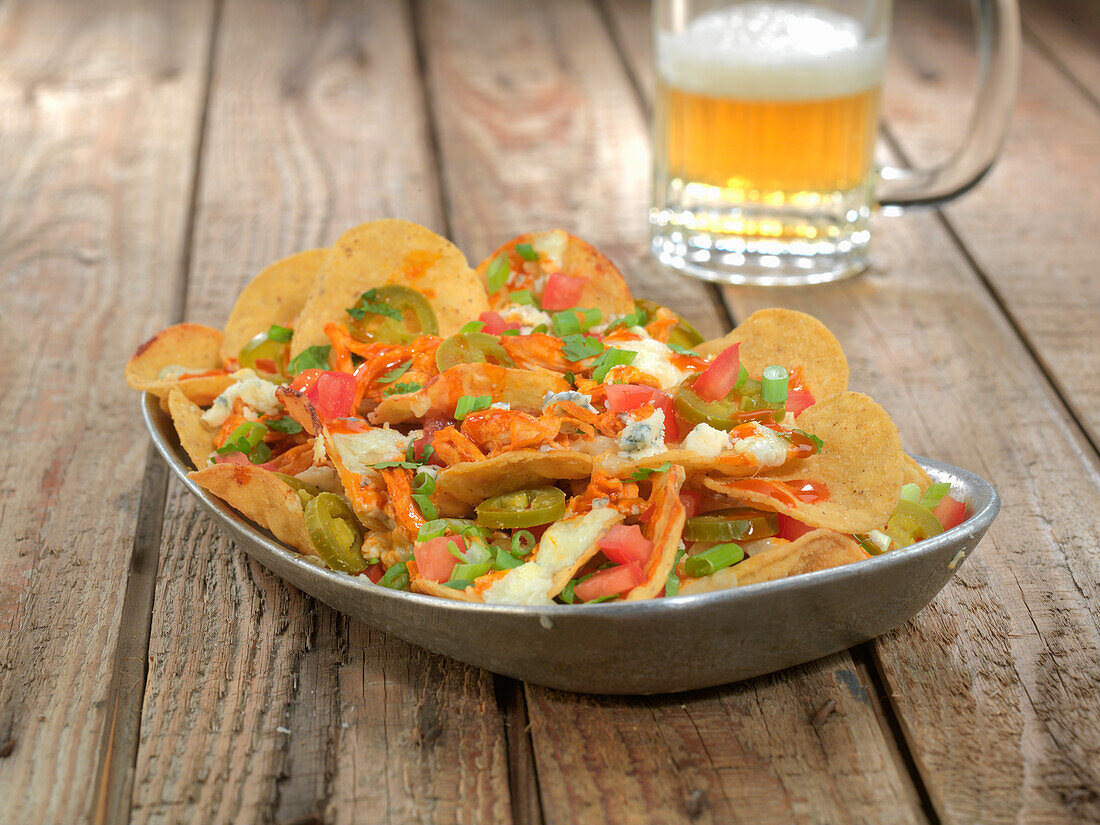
(1029,225)
(568,108)
(1067,33)
(990,681)
(263,705)
(539,128)
(98,116)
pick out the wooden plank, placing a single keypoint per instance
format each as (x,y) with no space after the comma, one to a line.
(1067,32)
(1025,225)
(992,682)
(554,104)
(263,705)
(100,109)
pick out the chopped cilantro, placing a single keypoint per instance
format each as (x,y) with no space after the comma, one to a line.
(473,326)
(818,443)
(280,334)
(510,332)
(638,318)
(311,358)
(402,388)
(390,465)
(523,297)
(579,347)
(572,321)
(286,424)
(643,473)
(395,373)
(368,305)
(611,358)
(681,350)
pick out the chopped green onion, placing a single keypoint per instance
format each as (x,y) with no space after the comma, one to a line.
(512,331)
(645,472)
(248,438)
(523,542)
(471,403)
(773,384)
(452,548)
(527,252)
(540,329)
(285,424)
(396,578)
(427,509)
(424,483)
(571,378)
(395,373)
(402,389)
(579,347)
(473,326)
(280,334)
(742,376)
(934,494)
(567,595)
(881,541)
(572,321)
(638,318)
(505,560)
(522,297)
(599,599)
(311,358)
(459,584)
(672,583)
(716,558)
(431,530)
(611,358)
(910,492)
(497,274)
(469,572)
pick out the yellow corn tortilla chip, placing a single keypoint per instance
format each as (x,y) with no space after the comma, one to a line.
(195,437)
(861,462)
(664,529)
(561,252)
(390,252)
(915,474)
(693,463)
(792,339)
(275,296)
(522,389)
(193,347)
(262,496)
(474,481)
(816,550)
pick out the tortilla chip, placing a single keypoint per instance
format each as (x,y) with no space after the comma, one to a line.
(275,296)
(915,474)
(693,463)
(300,408)
(861,463)
(262,496)
(192,346)
(816,550)
(664,529)
(473,482)
(792,339)
(390,252)
(195,437)
(522,389)
(561,252)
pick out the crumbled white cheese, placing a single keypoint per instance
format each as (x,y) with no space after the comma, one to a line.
(645,438)
(551,248)
(707,441)
(578,398)
(174,371)
(358,451)
(526,316)
(563,544)
(256,393)
(428,470)
(500,405)
(768,448)
(319,454)
(324,478)
(653,359)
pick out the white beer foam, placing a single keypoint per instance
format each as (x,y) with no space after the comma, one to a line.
(773,51)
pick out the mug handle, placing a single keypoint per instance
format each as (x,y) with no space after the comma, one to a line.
(998,24)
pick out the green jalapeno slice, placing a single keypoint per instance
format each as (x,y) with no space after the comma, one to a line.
(335,532)
(265,355)
(734,524)
(726,413)
(471,348)
(379,307)
(682,335)
(522,508)
(911,523)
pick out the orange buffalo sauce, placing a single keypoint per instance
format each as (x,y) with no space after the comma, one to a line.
(786,492)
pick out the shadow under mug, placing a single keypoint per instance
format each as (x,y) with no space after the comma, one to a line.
(764,130)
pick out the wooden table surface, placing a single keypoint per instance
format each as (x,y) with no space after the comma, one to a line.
(154,156)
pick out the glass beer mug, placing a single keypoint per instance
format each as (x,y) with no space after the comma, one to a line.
(764,133)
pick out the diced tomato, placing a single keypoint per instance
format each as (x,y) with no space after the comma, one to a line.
(495,323)
(951,513)
(626,397)
(692,501)
(624,544)
(305,380)
(239,458)
(434,561)
(791,528)
(798,400)
(431,427)
(610,582)
(332,394)
(562,291)
(375,572)
(718,378)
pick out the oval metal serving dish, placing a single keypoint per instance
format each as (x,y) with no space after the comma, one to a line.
(656,646)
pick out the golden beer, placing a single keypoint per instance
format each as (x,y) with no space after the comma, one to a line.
(764,130)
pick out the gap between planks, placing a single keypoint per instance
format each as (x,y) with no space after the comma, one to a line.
(117,753)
